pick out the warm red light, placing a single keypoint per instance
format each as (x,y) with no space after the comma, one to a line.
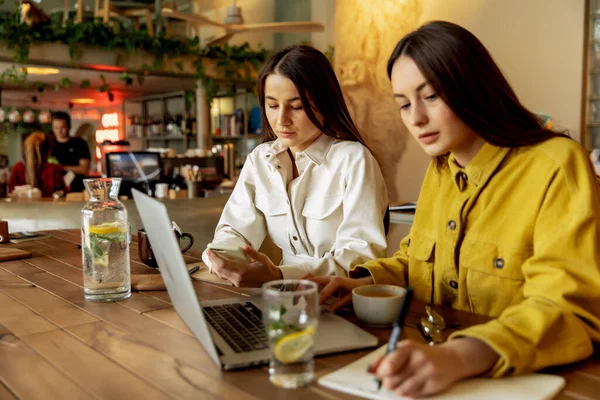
(83,101)
(102,67)
(110,120)
(107,134)
(110,123)
(91,115)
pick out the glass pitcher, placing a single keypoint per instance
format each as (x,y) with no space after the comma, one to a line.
(105,242)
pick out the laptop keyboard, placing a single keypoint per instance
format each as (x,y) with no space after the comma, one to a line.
(239,324)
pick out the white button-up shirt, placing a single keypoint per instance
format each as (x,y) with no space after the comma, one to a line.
(325,221)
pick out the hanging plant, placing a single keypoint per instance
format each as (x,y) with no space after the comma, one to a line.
(126,78)
(65,83)
(233,62)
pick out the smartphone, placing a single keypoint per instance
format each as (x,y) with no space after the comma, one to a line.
(232,253)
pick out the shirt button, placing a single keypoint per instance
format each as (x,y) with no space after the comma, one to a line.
(279,167)
(454,284)
(499,263)
(452,225)
(295,237)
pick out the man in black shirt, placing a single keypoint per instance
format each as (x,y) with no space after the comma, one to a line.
(72,153)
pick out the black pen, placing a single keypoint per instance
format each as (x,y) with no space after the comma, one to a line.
(397,329)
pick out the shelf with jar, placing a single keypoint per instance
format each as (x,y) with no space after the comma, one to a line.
(235,128)
(165,120)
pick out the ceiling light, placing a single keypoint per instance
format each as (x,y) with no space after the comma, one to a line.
(83,101)
(41,71)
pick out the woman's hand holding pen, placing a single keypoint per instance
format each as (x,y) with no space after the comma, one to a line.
(331,285)
(252,274)
(417,369)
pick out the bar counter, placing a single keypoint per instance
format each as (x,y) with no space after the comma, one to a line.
(196,216)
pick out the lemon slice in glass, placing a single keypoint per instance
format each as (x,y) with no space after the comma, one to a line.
(292,347)
(106,228)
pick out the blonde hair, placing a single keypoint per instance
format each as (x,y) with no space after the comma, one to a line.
(36,152)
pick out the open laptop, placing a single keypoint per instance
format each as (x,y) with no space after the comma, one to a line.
(231,330)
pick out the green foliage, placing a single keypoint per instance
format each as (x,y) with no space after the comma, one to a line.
(330,53)
(14,75)
(140,76)
(125,77)
(234,62)
(65,83)
(22,127)
(105,87)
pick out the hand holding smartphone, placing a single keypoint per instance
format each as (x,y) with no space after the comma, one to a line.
(231,253)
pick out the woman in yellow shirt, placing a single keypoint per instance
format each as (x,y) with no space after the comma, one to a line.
(507,223)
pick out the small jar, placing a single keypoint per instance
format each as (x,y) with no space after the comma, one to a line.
(105,242)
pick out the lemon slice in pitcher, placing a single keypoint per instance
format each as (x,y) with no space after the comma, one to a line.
(106,228)
(292,347)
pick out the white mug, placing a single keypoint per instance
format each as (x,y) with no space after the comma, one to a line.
(377,305)
(160,191)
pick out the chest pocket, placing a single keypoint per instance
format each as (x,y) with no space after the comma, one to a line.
(321,207)
(270,205)
(322,218)
(421,256)
(494,276)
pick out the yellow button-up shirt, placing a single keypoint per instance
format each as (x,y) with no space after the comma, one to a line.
(514,235)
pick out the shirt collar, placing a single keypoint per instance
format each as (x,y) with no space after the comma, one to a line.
(480,168)
(316,152)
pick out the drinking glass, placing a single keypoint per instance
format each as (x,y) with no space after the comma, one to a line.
(291,315)
(105,242)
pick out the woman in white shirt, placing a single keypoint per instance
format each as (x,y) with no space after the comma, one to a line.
(313,186)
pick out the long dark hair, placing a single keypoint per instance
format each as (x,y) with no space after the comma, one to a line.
(319,90)
(465,76)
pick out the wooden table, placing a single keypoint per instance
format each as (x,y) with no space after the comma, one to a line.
(55,345)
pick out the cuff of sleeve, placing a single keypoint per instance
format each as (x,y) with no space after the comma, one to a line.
(206,260)
(294,271)
(378,273)
(511,360)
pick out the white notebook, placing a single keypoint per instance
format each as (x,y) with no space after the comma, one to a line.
(355,380)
